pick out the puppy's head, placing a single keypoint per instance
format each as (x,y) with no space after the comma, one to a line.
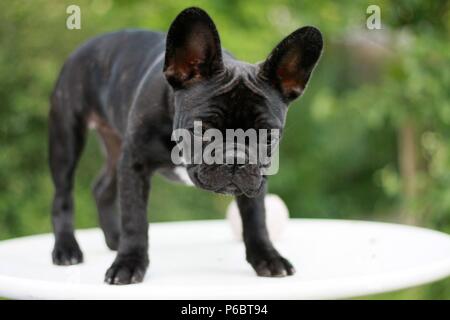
(221,93)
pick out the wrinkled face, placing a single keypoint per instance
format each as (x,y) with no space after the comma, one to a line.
(235,99)
(232,100)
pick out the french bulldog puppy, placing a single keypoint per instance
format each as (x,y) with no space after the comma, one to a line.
(135,87)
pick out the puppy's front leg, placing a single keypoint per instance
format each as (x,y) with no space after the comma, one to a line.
(132,261)
(260,251)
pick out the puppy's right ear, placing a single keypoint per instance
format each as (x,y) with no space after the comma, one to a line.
(193,50)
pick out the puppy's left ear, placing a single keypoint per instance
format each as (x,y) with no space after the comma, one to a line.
(289,66)
(193,50)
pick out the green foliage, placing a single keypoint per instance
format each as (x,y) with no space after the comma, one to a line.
(340,153)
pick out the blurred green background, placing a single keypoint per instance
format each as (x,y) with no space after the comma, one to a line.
(368,140)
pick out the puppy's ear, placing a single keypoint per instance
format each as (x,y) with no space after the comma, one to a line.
(290,64)
(193,50)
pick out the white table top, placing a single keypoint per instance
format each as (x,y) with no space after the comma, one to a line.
(201,260)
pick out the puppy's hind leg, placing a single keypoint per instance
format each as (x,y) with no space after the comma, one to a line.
(105,194)
(67,136)
(105,186)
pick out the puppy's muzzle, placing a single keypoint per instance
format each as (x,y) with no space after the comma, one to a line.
(238,174)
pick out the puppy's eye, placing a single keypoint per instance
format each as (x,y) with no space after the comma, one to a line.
(273,140)
(270,139)
(200,134)
(197,133)
(201,137)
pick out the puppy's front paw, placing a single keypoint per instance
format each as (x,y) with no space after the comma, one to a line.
(127,270)
(66,251)
(271,265)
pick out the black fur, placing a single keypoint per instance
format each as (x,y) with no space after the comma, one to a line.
(135,87)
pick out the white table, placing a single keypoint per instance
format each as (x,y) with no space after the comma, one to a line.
(201,260)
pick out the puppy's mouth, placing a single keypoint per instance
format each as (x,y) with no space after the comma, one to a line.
(229,189)
(235,184)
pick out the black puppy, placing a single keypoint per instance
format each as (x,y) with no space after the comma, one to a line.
(135,87)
